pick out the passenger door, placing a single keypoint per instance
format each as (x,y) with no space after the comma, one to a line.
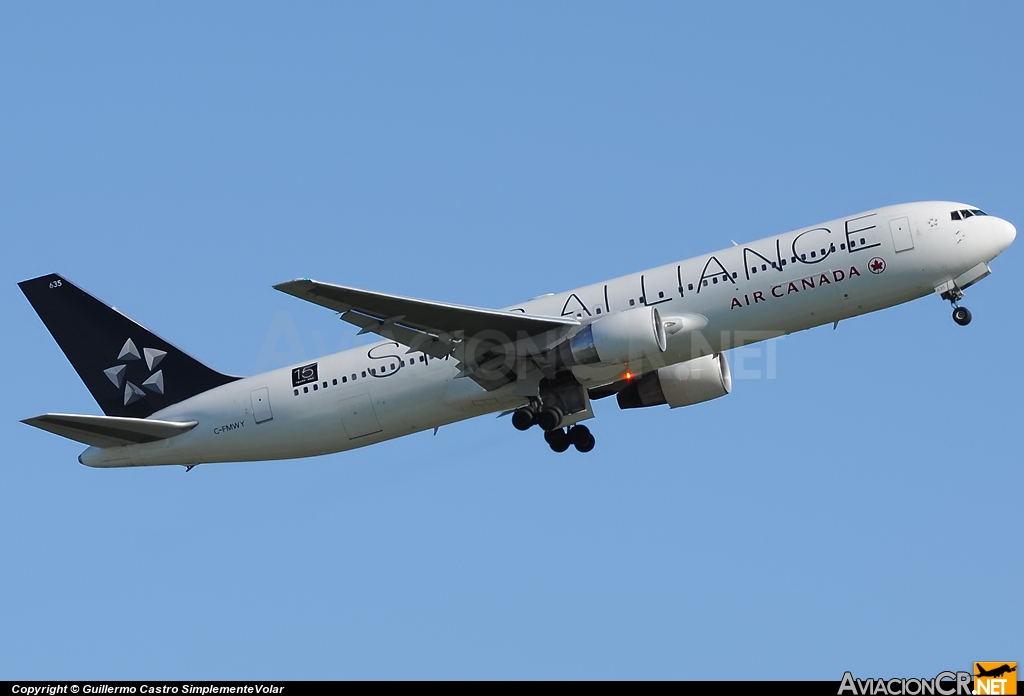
(902,237)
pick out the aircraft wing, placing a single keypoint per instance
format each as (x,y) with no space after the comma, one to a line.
(439,329)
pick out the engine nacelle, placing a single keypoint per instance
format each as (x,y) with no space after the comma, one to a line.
(682,384)
(616,339)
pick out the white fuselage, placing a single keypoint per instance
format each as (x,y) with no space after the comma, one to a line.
(750,292)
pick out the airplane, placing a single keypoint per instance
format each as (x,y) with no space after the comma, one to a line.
(650,338)
(995,672)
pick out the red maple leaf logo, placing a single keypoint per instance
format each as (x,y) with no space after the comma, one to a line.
(877,265)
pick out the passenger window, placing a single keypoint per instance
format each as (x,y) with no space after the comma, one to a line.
(689,286)
(364,374)
(814,255)
(598,310)
(296,392)
(764,267)
(631,303)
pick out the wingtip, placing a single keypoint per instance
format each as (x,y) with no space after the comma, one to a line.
(284,287)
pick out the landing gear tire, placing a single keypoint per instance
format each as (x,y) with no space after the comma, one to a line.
(549,418)
(962,316)
(524,418)
(557,440)
(581,438)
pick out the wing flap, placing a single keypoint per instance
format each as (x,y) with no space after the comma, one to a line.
(434,345)
(108,431)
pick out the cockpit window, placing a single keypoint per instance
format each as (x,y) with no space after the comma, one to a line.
(964,214)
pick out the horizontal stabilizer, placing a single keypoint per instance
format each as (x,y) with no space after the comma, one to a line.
(108,431)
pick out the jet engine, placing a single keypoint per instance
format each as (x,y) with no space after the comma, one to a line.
(682,384)
(616,339)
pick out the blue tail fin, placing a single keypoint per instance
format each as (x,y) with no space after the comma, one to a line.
(128,370)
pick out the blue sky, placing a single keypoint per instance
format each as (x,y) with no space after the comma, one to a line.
(848,506)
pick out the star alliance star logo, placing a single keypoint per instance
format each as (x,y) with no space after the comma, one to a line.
(117,373)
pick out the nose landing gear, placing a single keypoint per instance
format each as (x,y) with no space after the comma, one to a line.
(962,316)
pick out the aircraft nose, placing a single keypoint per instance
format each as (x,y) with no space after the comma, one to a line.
(1005,234)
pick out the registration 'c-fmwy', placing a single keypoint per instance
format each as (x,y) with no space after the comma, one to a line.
(649,338)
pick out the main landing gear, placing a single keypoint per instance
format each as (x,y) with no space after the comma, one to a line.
(578,436)
(549,418)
